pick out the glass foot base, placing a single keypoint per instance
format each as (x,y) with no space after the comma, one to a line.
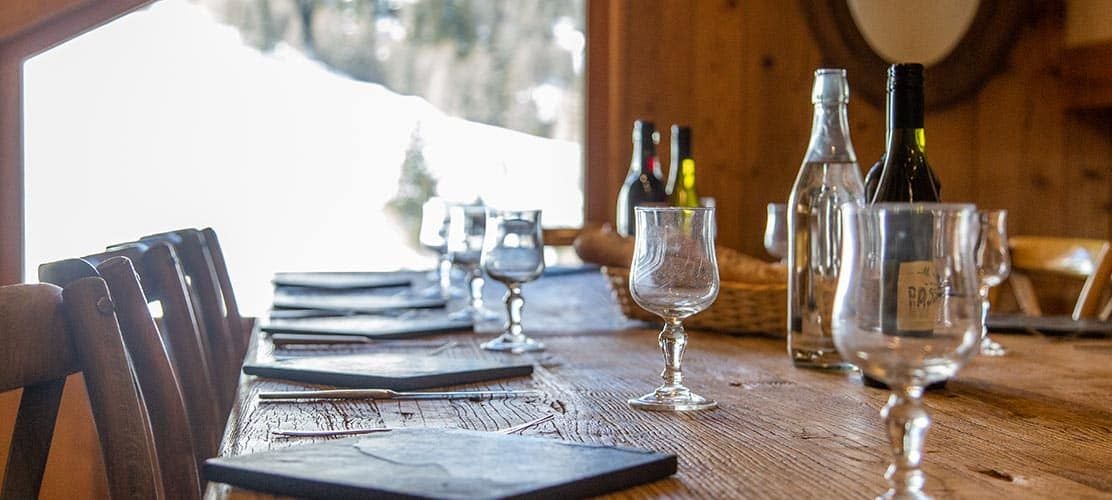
(990,347)
(672,399)
(477,315)
(435,292)
(820,360)
(905,495)
(507,342)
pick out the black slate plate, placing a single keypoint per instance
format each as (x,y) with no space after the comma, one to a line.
(359,301)
(1049,325)
(375,327)
(442,463)
(345,280)
(389,371)
(564,270)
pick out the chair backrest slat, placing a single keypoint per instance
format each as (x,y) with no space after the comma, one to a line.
(236,325)
(226,348)
(188,346)
(169,422)
(117,404)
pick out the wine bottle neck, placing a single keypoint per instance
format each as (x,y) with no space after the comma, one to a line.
(905,108)
(644,160)
(830,139)
(898,138)
(687,172)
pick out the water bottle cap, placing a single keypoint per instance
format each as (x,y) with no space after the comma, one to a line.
(831,87)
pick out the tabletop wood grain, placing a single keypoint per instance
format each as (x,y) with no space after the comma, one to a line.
(1035,423)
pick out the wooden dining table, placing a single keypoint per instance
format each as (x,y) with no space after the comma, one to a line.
(1035,423)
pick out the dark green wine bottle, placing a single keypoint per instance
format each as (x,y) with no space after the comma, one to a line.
(904,176)
(643,184)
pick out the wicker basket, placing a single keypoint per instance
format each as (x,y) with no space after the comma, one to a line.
(740,308)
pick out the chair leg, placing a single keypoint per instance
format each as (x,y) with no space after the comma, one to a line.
(34,429)
(1025,294)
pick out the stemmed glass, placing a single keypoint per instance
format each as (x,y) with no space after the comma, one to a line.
(513,253)
(993,263)
(908,312)
(776,231)
(466,229)
(433,236)
(674,275)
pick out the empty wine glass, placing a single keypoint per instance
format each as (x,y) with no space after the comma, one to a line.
(907,312)
(433,236)
(993,263)
(674,275)
(466,228)
(513,253)
(776,231)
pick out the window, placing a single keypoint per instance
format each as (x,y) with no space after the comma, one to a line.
(306,149)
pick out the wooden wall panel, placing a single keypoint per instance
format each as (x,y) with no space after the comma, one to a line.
(1015,145)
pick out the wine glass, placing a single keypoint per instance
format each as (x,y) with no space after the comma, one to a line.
(674,275)
(776,231)
(513,253)
(433,236)
(993,263)
(907,312)
(466,229)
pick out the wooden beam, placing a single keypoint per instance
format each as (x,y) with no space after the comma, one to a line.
(18,17)
(31,32)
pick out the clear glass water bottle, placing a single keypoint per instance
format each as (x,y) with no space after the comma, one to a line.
(828,179)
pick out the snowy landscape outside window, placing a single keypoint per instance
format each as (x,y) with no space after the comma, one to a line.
(307,133)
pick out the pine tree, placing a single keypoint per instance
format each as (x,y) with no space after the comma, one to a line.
(415,186)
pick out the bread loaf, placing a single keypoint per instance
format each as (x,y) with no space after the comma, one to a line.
(604,246)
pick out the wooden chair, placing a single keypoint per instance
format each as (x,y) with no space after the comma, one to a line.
(40,350)
(171,426)
(1088,259)
(214,304)
(162,279)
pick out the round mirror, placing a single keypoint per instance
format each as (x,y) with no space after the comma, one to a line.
(961,42)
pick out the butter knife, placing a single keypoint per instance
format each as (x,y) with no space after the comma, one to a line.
(353,432)
(390,394)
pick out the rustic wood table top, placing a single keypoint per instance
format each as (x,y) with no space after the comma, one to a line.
(1034,423)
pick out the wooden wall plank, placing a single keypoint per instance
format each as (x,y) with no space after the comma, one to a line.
(716,84)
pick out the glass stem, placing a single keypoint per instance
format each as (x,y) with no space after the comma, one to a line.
(445,275)
(475,281)
(984,315)
(673,341)
(907,423)
(514,303)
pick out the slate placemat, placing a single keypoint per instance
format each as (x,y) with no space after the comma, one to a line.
(442,463)
(400,372)
(564,270)
(1049,325)
(360,301)
(381,327)
(346,280)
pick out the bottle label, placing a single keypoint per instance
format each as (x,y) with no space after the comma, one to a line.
(918,297)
